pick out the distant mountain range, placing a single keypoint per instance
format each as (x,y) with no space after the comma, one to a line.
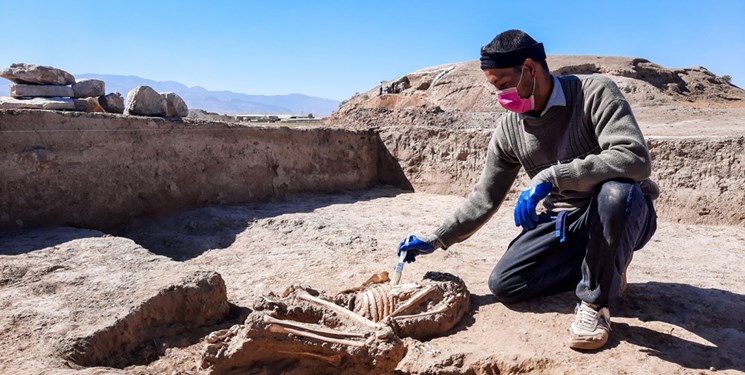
(221,101)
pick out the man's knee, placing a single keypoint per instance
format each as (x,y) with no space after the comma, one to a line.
(614,196)
(504,289)
(619,209)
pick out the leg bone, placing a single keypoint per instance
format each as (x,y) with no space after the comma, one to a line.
(414,299)
(280,329)
(433,312)
(313,328)
(339,310)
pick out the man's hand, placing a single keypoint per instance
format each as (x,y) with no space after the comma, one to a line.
(525,215)
(414,246)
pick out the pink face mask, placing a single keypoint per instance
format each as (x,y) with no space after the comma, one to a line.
(511,100)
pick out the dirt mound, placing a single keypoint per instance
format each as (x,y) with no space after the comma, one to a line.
(457,95)
(85,299)
(200,114)
(196,301)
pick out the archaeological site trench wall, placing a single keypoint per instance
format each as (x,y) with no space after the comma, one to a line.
(702,178)
(101,170)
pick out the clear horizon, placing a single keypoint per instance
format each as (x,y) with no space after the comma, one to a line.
(332,49)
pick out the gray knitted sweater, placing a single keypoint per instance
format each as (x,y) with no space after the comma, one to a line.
(592,139)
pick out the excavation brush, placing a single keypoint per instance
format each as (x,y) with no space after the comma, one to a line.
(399,268)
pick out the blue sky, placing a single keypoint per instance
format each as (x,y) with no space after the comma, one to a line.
(332,49)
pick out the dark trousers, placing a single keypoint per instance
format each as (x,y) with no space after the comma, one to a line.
(599,239)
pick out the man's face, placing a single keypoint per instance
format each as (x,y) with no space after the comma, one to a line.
(503,78)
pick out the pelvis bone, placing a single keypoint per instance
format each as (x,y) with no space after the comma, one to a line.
(356,331)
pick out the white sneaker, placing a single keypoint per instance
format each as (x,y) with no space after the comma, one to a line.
(590,328)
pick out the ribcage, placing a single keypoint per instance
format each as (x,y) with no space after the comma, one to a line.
(376,302)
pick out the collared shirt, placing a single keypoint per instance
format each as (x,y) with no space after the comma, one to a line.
(556,98)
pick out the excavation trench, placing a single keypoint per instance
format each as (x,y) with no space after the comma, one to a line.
(102,171)
(191,193)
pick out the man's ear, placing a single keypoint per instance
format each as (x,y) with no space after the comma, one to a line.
(529,66)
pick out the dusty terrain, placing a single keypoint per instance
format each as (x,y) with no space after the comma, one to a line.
(683,313)
(142,299)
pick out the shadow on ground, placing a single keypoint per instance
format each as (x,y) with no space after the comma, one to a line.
(16,242)
(477,301)
(188,234)
(716,316)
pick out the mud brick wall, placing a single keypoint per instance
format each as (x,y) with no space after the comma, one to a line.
(101,170)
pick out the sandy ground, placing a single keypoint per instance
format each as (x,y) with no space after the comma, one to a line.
(683,121)
(684,312)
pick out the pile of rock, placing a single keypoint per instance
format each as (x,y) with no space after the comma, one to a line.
(45,87)
(144,101)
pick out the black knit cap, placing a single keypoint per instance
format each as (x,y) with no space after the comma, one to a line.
(509,59)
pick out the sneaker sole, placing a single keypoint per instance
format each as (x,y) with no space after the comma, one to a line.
(587,343)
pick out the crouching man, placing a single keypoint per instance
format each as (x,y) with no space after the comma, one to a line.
(578,141)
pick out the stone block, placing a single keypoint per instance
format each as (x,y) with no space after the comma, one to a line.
(40,91)
(37,75)
(85,88)
(175,106)
(89,104)
(37,103)
(144,101)
(112,103)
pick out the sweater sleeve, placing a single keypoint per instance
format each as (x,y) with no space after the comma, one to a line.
(497,177)
(623,150)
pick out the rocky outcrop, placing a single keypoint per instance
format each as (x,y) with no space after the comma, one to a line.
(35,83)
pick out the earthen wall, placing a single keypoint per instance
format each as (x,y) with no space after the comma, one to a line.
(702,179)
(100,170)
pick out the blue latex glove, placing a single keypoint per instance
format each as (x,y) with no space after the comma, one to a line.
(414,246)
(525,215)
